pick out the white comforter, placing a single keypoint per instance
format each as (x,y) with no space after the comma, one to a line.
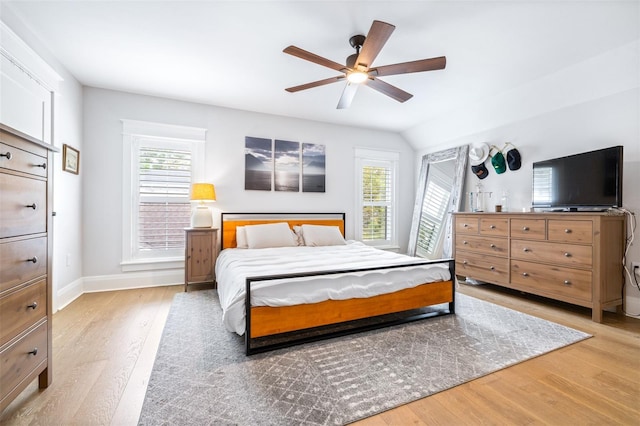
(235,265)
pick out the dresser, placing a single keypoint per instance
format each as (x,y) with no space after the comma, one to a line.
(572,257)
(200,255)
(25,263)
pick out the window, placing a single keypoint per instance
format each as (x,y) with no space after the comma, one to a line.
(163,161)
(376,189)
(434,207)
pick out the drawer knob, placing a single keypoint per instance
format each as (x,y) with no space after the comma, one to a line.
(492,246)
(525,274)
(465,242)
(567,231)
(8,155)
(492,227)
(34,352)
(34,259)
(32,206)
(33,306)
(567,254)
(567,282)
(525,228)
(464,262)
(493,268)
(526,250)
(465,225)
(43,165)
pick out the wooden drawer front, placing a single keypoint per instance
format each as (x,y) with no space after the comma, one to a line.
(528,228)
(571,231)
(491,246)
(21,261)
(20,310)
(16,362)
(16,193)
(561,254)
(494,226)
(22,161)
(486,268)
(467,225)
(574,283)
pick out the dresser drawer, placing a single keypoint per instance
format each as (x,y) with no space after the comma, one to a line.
(23,205)
(534,229)
(467,225)
(19,360)
(22,161)
(21,309)
(494,226)
(21,261)
(485,245)
(482,267)
(556,280)
(561,254)
(571,231)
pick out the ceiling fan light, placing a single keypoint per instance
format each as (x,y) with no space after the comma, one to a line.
(357,77)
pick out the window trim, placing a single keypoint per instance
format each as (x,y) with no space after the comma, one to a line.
(365,157)
(133,131)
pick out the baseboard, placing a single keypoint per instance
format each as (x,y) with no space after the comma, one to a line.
(131,280)
(125,281)
(68,294)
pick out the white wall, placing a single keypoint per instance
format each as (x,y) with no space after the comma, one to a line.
(102,167)
(67,225)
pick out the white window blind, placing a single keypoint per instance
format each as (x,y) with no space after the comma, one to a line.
(164,178)
(376,188)
(434,207)
(377,207)
(543,190)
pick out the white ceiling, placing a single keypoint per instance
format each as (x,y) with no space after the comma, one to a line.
(229,53)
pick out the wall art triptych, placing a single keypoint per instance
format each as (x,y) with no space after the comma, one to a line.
(283,165)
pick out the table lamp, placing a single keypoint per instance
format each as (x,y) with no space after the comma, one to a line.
(201,216)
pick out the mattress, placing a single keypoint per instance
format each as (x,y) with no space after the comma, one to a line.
(234,265)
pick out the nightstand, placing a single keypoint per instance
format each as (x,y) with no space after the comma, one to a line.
(200,256)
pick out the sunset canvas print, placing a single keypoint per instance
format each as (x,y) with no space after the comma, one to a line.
(258,164)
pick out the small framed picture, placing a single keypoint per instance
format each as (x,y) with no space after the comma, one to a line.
(70,159)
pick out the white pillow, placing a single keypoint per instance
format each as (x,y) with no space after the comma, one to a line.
(241,237)
(269,235)
(319,235)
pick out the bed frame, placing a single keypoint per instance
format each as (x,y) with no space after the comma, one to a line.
(285,323)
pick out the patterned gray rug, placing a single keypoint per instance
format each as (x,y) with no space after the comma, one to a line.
(201,375)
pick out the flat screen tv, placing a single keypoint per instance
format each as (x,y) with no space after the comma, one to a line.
(587,181)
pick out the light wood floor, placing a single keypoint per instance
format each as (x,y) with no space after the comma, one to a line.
(105,344)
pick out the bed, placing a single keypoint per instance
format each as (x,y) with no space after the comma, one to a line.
(278,292)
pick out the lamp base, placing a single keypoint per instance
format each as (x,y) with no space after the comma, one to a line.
(201,217)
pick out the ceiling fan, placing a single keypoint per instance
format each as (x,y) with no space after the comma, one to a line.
(359,70)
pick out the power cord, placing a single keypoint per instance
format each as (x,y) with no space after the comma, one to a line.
(636,271)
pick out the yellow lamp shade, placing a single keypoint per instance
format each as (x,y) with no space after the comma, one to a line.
(203,192)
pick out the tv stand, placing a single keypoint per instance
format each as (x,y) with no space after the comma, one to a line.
(572,257)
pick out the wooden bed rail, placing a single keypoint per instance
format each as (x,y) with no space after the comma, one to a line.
(284,321)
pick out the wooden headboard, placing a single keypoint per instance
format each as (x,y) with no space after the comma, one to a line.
(229,222)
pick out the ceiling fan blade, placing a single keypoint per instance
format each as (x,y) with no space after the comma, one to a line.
(315,84)
(389,90)
(312,57)
(378,35)
(347,95)
(408,67)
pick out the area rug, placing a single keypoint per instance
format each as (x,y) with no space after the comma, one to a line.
(201,375)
